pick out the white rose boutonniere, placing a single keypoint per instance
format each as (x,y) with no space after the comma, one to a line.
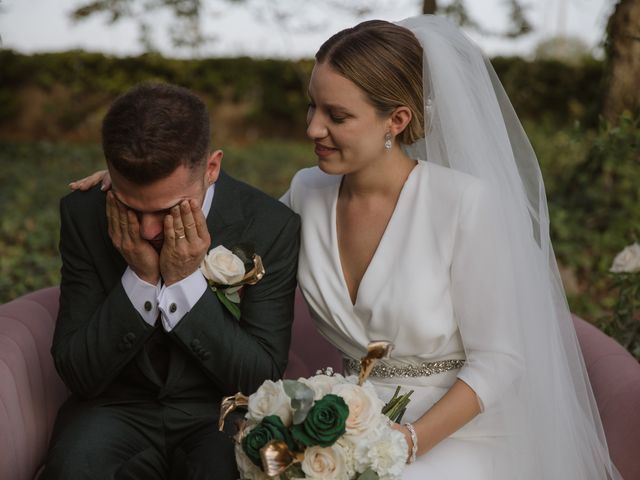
(227,271)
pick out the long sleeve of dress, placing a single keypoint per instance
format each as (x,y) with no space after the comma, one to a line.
(483,297)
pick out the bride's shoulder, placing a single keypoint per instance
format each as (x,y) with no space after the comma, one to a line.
(313,177)
(449,182)
(310,186)
(312,182)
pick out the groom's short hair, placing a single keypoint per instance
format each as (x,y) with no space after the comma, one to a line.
(152,129)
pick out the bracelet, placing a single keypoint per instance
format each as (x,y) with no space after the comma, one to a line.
(414,441)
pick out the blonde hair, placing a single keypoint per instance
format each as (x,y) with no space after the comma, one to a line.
(385,61)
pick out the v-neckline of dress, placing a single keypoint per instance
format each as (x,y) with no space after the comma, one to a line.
(334,236)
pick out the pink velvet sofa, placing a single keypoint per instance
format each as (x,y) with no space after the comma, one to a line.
(31,391)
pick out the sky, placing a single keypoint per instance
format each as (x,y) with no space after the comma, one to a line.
(44,26)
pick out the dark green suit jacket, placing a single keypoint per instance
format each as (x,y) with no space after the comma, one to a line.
(99,341)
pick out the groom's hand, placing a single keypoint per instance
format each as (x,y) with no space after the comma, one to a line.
(186,241)
(124,230)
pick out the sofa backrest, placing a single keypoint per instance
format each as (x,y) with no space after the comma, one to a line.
(30,389)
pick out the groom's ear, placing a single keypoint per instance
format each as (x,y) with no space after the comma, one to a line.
(399,119)
(212,171)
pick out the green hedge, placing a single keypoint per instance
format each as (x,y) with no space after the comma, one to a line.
(78,86)
(79,83)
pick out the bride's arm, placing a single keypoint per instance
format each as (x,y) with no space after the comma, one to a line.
(454,410)
(84,184)
(483,297)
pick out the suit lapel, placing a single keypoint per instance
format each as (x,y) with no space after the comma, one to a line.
(226,217)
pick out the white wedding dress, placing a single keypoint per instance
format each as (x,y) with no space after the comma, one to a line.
(431,254)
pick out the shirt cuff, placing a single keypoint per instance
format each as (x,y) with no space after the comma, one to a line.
(178,299)
(142,295)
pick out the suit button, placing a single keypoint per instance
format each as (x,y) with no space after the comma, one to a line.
(129,337)
(173,307)
(195,344)
(147,306)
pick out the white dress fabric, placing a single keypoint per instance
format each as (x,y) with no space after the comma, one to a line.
(428,290)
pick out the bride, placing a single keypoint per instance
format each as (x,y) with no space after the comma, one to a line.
(425,223)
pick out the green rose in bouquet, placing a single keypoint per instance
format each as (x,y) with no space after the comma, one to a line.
(325,422)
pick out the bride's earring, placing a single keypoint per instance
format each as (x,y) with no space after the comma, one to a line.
(387,141)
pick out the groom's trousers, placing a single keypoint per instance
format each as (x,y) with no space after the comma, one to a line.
(141,441)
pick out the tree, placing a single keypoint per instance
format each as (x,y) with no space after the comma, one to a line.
(457,11)
(623,61)
(568,49)
(186,30)
(429,6)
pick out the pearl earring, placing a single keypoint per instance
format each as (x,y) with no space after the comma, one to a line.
(387,141)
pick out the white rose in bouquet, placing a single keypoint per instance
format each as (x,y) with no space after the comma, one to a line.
(222,267)
(349,452)
(386,455)
(326,463)
(322,384)
(628,260)
(364,408)
(270,399)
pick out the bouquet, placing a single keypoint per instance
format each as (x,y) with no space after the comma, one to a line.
(325,427)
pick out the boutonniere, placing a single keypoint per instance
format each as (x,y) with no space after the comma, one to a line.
(227,271)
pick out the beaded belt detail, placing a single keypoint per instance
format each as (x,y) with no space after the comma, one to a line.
(424,369)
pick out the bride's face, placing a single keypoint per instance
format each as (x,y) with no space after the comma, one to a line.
(347,130)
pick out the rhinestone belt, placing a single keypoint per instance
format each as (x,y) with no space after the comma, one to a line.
(423,369)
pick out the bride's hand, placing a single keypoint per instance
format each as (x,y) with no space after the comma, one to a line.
(84,184)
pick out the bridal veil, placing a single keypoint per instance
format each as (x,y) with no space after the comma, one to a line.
(471,126)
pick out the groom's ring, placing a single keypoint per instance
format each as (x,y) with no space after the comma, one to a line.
(181,236)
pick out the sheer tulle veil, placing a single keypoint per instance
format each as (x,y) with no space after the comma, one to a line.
(471,126)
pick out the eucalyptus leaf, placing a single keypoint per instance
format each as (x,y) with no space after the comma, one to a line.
(232,307)
(233,297)
(301,397)
(368,474)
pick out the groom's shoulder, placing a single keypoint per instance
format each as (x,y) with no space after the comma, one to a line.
(256,202)
(84,203)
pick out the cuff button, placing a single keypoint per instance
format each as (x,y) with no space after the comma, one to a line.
(173,307)
(147,306)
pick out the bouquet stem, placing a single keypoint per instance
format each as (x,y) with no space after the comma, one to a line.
(395,408)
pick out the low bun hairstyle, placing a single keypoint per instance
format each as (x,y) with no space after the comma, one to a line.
(385,61)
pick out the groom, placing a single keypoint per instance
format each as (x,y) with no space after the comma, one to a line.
(143,343)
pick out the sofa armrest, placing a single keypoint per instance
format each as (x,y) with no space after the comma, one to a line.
(30,389)
(615,379)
